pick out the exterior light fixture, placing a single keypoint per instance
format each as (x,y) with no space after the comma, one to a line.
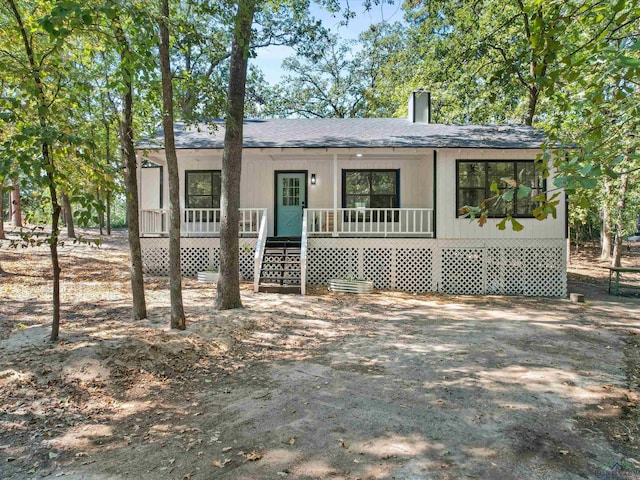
(313,179)
(358,154)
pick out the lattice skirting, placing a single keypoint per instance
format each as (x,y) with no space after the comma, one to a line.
(197,255)
(531,267)
(505,267)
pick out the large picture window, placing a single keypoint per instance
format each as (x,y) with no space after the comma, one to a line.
(202,189)
(371,189)
(476,176)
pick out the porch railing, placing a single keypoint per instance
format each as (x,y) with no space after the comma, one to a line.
(303,253)
(370,222)
(199,221)
(259,252)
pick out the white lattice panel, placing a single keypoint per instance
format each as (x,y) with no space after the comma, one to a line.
(155,260)
(196,254)
(247,257)
(194,260)
(377,267)
(326,263)
(512,267)
(462,271)
(505,270)
(215,258)
(545,272)
(414,270)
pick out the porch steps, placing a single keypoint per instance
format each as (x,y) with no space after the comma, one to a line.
(280,270)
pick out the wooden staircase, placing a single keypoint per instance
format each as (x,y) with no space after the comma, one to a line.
(280,270)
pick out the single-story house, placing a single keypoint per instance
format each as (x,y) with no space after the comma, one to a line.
(367,198)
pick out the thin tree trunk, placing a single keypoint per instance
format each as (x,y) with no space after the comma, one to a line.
(2,236)
(108,158)
(130,179)
(534,94)
(53,245)
(100,213)
(9,207)
(619,221)
(605,217)
(228,291)
(68,215)
(49,168)
(16,204)
(175,276)
(108,213)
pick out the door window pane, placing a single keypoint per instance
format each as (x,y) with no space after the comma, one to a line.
(290,191)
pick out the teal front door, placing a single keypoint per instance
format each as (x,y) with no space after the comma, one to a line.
(291,194)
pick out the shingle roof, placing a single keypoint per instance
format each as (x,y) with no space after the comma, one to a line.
(357,133)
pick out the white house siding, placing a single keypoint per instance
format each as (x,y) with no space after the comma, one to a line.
(149,188)
(448,225)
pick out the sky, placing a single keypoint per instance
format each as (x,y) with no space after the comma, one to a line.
(270,59)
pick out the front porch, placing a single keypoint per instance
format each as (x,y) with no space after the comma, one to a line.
(203,227)
(396,248)
(320,222)
(198,222)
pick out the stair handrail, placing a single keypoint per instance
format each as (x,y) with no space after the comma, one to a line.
(303,254)
(259,253)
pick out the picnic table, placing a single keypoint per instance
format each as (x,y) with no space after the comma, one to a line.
(617,273)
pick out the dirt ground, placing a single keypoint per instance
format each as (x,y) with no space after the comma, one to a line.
(326,386)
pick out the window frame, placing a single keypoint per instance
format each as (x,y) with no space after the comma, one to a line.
(186,187)
(372,216)
(541,184)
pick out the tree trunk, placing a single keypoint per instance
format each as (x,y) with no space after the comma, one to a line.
(534,95)
(68,215)
(619,221)
(16,207)
(175,276)
(2,236)
(228,291)
(108,213)
(9,207)
(605,231)
(100,213)
(130,178)
(53,245)
(108,157)
(49,168)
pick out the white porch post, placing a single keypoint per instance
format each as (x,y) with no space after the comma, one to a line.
(335,194)
(138,174)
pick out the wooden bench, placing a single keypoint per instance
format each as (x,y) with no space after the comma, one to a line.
(617,272)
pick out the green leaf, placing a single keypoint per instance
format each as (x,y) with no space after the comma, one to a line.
(619,6)
(508,195)
(48,27)
(588,182)
(523,192)
(516,226)
(628,61)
